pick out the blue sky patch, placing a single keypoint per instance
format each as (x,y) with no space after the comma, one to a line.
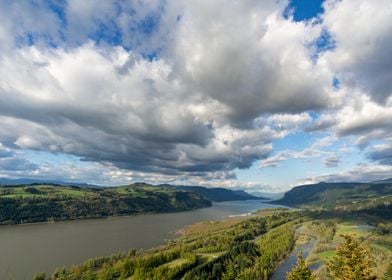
(304,9)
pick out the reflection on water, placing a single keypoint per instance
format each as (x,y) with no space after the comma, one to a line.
(26,249)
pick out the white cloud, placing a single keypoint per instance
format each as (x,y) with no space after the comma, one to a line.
(359,173)
(362,31)
(316,150)
(168,90)
(249,58)
(332,161)
(220,93)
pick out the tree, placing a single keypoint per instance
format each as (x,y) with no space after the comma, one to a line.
(230,273)
(352,261)
(300,271)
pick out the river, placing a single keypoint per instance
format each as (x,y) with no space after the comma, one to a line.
(27,249)
(288,264)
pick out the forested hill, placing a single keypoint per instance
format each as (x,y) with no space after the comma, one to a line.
(216,194)
(43,202)
(335,195)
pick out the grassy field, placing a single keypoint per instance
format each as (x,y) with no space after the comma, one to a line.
(43,191)
(326,255)
(329,236)
(77,192)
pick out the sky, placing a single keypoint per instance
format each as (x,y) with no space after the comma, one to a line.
(254,94)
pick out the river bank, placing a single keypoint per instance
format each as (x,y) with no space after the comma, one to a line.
(29,248)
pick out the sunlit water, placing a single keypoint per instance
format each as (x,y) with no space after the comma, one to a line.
(26,249)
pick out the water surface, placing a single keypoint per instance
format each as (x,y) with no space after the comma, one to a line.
(26,249)
(288,264)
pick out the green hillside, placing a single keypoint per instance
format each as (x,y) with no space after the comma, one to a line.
(371,198)
(38,203)
(217,194)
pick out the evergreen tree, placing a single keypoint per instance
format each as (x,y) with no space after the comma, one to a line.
(352,261)
(300,271)
(230,273)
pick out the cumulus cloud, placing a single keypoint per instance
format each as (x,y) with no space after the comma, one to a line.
(219,93)
(360,61)
(188,89)
(360,116)
(140,120)
(250,58)
(362,31)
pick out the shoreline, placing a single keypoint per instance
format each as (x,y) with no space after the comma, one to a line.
(99,217)
(118,216)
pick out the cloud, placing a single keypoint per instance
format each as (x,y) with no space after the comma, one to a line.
(140,120)
(16,164)
(167,90)
(360,116)
(362,31)
(363,68)
(307,153)
(10,161)
(359,173)
(314,151)
(273,161)
(251,62)
(332,161)
(19,24)
(381,153)
(213,101)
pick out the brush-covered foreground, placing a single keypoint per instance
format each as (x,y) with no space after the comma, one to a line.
(242,248)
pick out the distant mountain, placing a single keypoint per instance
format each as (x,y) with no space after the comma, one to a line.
(213,194)
(28,181)
(216,194)
(334,195)
(385,181)
(267,195)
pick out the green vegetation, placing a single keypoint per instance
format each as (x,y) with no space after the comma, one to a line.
(351,238)
(388,273)
(301,271)
(216,194)
(328,234)
(228,251)
(247,248)
(352,261)
(41,203)
(370,199)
